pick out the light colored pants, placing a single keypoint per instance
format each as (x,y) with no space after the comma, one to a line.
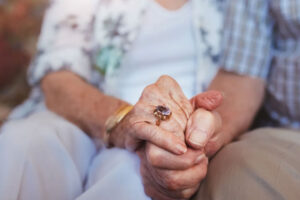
(44,157)
(262,165)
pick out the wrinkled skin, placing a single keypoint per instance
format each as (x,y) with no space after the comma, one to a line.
(167,176)
(167,171)
(139,124)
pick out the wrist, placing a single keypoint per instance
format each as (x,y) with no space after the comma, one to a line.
(113,121)
(99,108)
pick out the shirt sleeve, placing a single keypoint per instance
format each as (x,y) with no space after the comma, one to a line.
(65,40)
(247,38)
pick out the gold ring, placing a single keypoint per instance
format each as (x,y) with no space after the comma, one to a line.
(162,113)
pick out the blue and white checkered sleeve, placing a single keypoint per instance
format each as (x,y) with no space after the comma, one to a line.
(247,38)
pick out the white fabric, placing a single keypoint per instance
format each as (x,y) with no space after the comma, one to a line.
(44,157)
(165,45)
(82,42)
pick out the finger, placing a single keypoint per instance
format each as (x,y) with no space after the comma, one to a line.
(167,83)
(154,95)
(178,113)
(151,188)
(174,180)
(156,191)
(177,122)
(209,100)
(160,137)
(183,103)
(159,158)
(171,125)
(189,192)
(156,194)
(201,126)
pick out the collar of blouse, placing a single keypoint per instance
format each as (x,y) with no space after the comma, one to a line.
(118,23)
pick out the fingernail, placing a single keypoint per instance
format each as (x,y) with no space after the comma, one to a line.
(199,159)
(198,138)
(181,149)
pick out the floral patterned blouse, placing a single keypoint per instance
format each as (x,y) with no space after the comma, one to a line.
(90,38)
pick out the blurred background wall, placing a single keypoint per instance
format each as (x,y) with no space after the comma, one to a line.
(20,22)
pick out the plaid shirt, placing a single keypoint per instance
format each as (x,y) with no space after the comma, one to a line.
(262,39)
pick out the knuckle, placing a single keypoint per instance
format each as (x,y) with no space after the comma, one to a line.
(172,185)
(189,161)
(171,182)
(165,79)
(135,129)
(149,92)
(155,137)
(153,155)
(149,89)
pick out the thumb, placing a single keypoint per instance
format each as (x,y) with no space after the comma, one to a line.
(209,100)
(201,126)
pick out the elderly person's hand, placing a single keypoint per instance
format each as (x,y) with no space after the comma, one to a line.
(169,176)
(204,125)
(139,124)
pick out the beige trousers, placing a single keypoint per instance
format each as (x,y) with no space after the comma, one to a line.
(261,165)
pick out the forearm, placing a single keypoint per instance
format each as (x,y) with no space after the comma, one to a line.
(69,96)
(243,97)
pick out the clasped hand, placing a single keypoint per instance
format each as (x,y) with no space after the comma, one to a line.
(174,155)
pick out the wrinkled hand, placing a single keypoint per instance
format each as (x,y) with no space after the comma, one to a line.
(139,125)
(168,176)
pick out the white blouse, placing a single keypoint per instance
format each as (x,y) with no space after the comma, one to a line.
(165,45)
(87,36)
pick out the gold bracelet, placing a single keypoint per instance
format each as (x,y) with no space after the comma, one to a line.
(114,120)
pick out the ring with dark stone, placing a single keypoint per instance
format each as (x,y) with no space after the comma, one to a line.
(162,113)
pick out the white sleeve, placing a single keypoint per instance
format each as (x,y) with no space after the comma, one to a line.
(65,40)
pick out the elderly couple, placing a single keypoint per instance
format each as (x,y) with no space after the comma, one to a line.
(130,75)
